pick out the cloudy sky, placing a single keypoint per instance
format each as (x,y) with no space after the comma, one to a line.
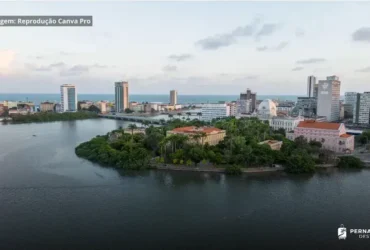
(194,47)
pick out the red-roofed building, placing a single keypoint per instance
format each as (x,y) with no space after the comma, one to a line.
(212,135)
(333,136)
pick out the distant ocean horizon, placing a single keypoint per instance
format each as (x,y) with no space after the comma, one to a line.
(182,99)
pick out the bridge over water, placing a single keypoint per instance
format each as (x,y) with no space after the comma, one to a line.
(151,120)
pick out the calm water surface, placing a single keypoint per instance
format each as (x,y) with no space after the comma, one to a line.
(50,199)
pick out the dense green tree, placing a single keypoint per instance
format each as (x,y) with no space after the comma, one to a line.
(350,162)
(233,170)
(196,154)
(300,163)
(128,111)
(52,117)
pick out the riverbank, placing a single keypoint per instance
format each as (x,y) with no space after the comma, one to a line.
(218,170)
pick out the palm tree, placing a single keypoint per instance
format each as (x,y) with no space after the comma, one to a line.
(162,121)
(202,136)
(199,114)
(132,126)
(188,114)
(196,137)
(183,118)
(145,123)
(170,116)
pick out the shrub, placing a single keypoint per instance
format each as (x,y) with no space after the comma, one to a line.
(350,162)
(233,170)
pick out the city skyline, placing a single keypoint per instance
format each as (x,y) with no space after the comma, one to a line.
(223,49)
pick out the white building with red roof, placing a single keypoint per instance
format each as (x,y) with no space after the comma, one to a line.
(333,136)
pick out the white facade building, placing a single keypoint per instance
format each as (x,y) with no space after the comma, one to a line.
(266,109)
(68,97)
(213,111)
(173,97)
(121,96)
(328,102)
(232,108)
(361,113)
(286,122)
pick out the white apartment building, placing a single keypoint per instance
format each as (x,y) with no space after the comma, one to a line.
(286,122)
(232,108)
(361,113)
(328,101)
(213,111)
(173,97)
(121,96)
(68,97)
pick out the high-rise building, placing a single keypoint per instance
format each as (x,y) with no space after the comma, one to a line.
(361,111)
(121,96)
(214,110)
(249,95)
(312,86)
(328,98)
(173,97)
(68,97)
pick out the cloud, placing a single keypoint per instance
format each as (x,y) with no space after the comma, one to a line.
(180,57)
(311,61)
(267,29)
(263,48)
(65,53)
(57,65)
(362,35)
(297,69)
(99,66)
(75,70)
(80,69)
(364,70)
(299,32)
(49,67)
(224,40)
(33,67)
(279,47)
(170,68)
(217,41)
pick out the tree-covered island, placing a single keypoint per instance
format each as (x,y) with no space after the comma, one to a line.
(51,117)
(240,148)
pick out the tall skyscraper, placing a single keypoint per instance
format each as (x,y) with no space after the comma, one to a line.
(328,98)
(68,96)
(312,87)
(173,97)
(121,96)
(249,95)
(361,111)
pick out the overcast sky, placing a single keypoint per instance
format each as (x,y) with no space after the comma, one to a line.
(196,48)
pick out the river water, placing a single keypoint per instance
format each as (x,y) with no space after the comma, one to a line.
(50,199)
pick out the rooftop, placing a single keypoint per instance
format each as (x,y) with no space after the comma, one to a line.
(318,125)
(193,129)
(345,135)
(270,142)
